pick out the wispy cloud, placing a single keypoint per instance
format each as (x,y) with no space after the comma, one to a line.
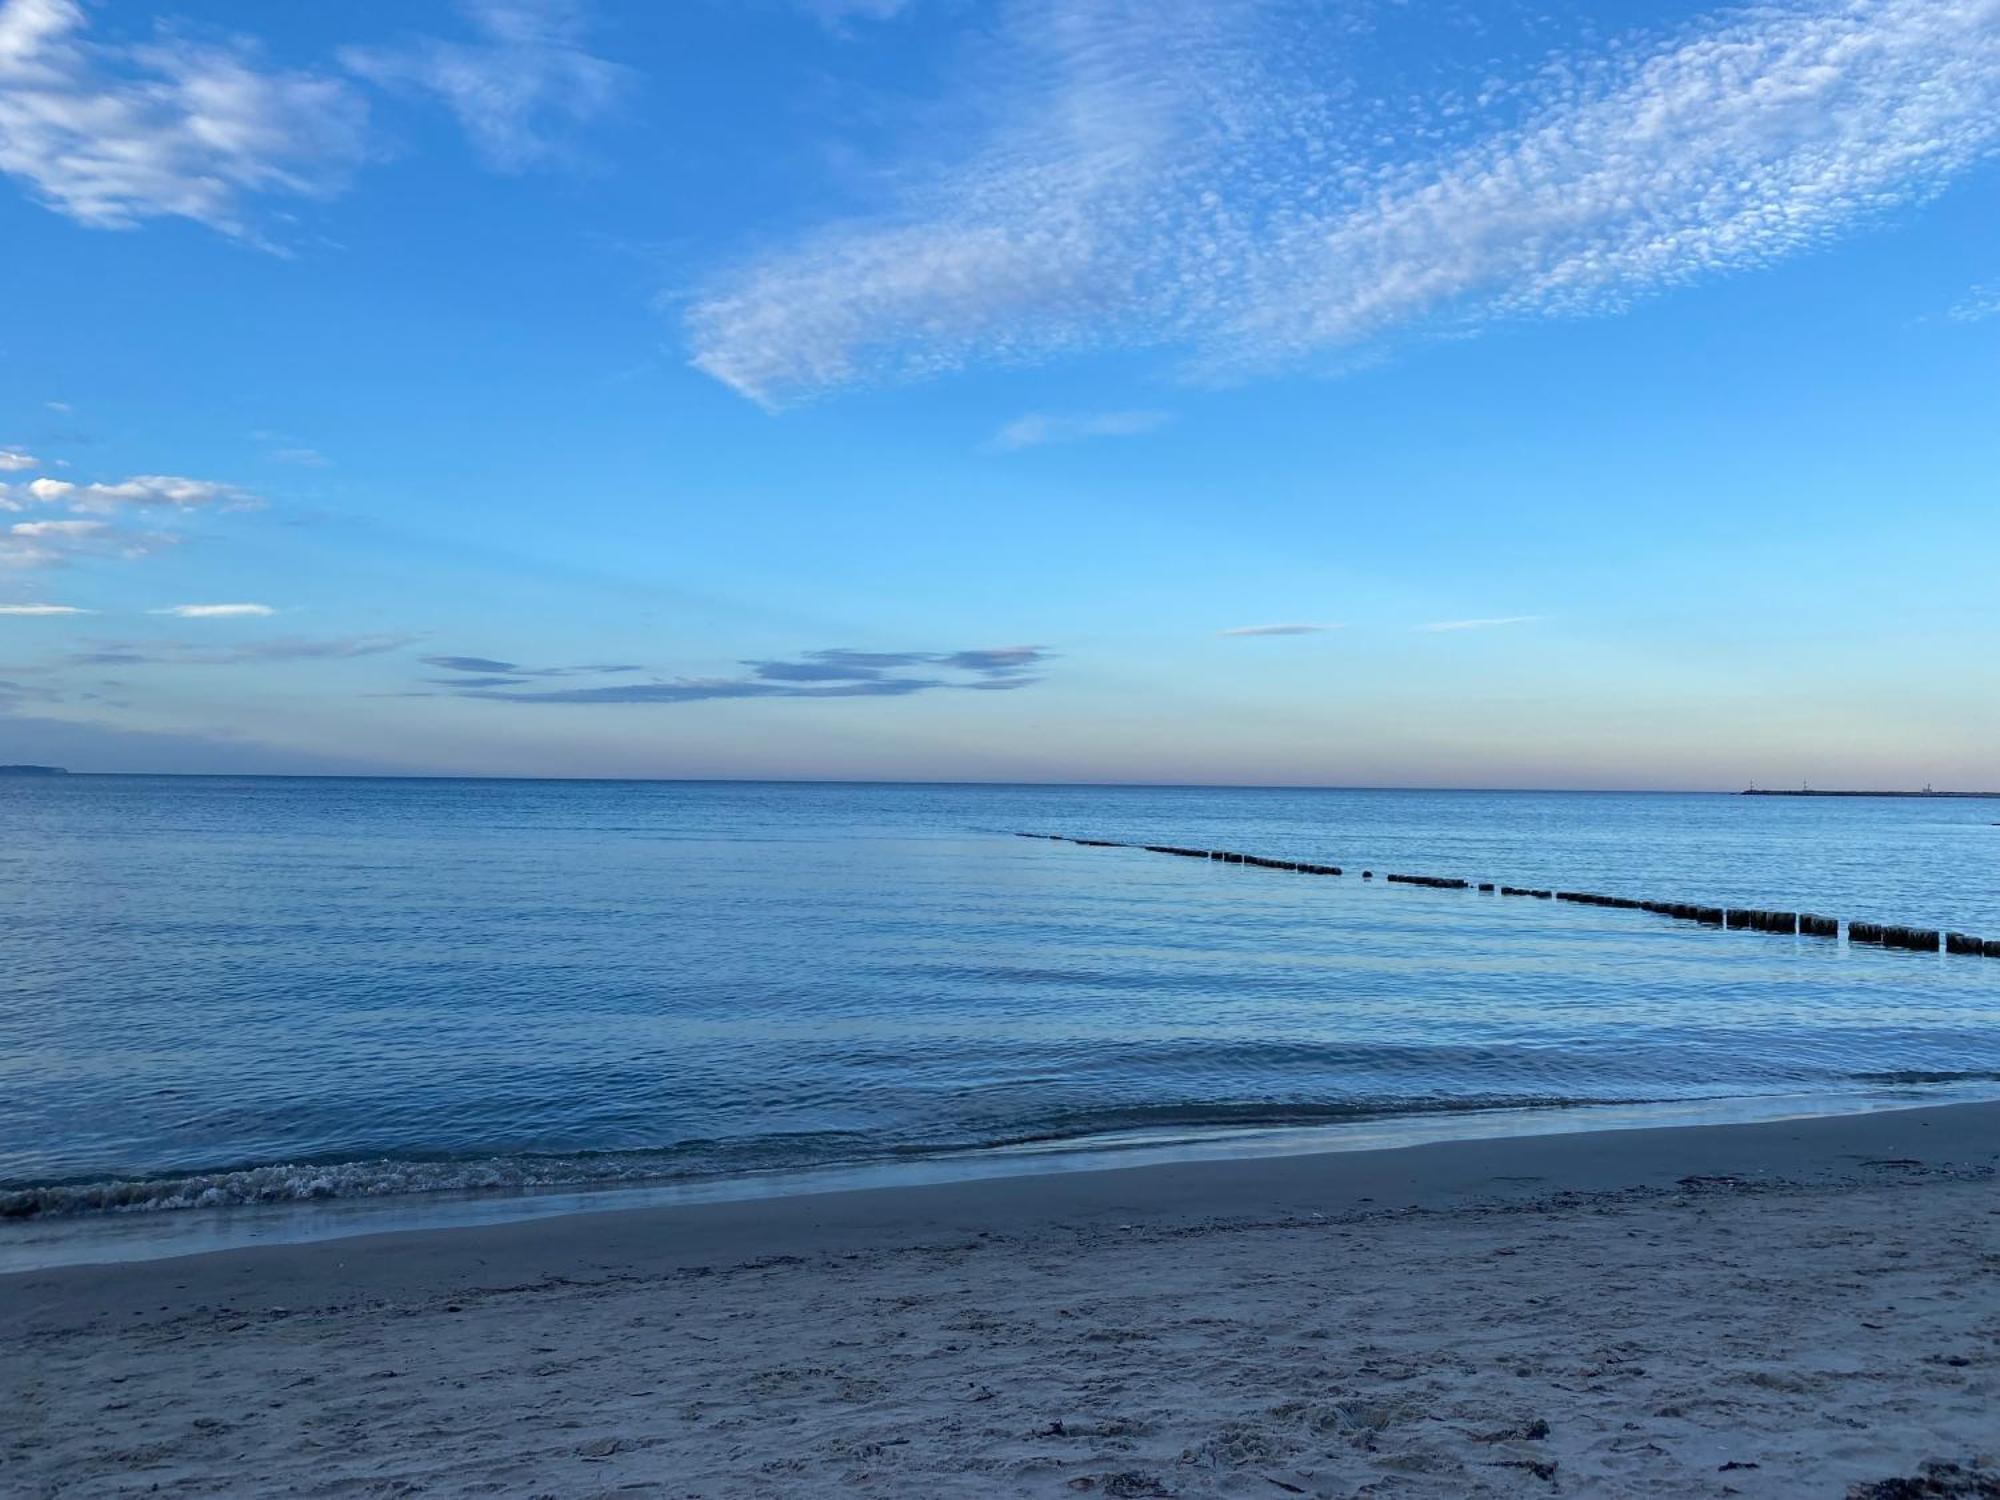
(519,90)
(217,611)
(41,609)
(294,648)
(1185,175)
(1979,304)
(487,671)
(837,672)
(112,136)
(1492,623)
(1037,428)
(699,689)
(34,544)
(836,12)
(1298,629)
(14,461)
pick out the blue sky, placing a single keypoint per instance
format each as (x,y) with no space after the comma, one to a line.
(1298,391)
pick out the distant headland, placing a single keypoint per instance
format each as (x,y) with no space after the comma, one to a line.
(1760,791)
(32,771)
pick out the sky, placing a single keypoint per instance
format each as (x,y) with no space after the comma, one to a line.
(1346,392)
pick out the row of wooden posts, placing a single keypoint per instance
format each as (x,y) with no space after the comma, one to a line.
(1807,924)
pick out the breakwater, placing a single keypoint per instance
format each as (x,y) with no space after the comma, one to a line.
(1792,923)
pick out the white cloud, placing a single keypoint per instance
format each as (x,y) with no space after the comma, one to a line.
(41,609)
(1492,623)
(44,543)
(216,611)
(1037,428)
(13,461)
(1979,304)
(1295,629)
(173,491)
(112,135)
(516,91)
(1198,176)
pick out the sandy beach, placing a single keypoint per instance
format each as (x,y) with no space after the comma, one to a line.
(1800,1308)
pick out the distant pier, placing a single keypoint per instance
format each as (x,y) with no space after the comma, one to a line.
(1744,919)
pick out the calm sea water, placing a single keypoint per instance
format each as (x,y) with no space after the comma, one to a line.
(220,991)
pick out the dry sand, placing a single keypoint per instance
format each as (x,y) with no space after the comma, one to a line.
(1763,1310)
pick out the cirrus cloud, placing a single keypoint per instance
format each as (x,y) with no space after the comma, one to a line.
(1194,177)
(518,90)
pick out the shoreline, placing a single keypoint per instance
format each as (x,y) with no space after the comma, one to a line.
(138,1235)
(1811,1302)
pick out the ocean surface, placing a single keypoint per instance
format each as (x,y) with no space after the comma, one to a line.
(225,992)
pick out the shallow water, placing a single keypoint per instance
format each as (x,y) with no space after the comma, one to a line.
(226,991)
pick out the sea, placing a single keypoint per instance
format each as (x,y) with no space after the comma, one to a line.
(242,1009)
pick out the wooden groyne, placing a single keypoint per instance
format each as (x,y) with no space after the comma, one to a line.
(1747,919)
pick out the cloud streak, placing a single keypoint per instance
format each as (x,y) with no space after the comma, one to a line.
(836,672)
(217,611)
(490,671)
(1192,178)
(1298,629)
(294,648)
(1037,428)
(1494,622)
(41,609)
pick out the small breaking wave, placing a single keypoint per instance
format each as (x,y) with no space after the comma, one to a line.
(290,1182)
(1912,1076)
(1108,1128)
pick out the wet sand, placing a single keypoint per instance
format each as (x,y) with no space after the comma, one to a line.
(1778,1309)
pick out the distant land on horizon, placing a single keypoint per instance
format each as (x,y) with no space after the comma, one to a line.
(33,771)
(1759,791)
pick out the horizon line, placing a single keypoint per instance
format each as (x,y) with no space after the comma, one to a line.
(1260,786)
